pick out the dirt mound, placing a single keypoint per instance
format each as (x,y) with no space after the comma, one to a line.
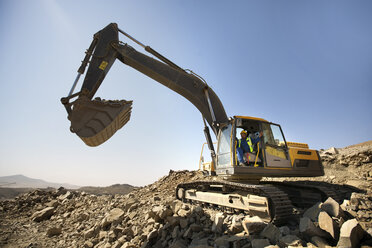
(150,216)
(120,189)
(351,165)
(367,143)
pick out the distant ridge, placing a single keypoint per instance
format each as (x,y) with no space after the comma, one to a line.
(21,181)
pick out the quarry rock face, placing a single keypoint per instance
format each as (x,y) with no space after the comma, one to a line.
(150,216)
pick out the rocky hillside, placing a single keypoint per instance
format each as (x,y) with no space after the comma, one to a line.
(151,217)
(351,165)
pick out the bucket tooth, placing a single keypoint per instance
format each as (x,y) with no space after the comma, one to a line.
(96,121)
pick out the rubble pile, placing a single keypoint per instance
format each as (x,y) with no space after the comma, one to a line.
(150,216)
(354,162)
(352,156)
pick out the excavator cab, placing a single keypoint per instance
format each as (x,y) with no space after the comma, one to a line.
(272,155)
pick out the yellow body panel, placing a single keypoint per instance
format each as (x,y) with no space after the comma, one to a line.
(293,154)
(296,144)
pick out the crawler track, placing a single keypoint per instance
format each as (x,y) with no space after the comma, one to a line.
(279,204)
(284,197)
(304,194)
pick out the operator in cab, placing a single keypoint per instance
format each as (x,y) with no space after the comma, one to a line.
(245,145)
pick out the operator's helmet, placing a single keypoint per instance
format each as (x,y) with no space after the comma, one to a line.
(243,131)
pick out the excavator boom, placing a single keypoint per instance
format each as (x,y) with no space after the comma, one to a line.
(95,121)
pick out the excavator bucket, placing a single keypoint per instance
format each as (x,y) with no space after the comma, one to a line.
(96,121)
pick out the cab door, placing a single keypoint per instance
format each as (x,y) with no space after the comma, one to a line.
(224,147)
(275,147)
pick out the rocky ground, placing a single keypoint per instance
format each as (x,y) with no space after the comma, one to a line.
(151,217)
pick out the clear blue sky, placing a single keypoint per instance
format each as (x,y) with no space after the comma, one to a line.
(306,65)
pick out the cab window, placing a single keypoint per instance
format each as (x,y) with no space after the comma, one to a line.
(273,135)
(224,147)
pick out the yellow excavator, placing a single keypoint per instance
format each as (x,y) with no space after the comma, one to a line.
(231,184)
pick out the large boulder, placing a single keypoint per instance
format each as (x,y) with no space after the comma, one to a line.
(260,243)
(43,214)
(236,224)
(196,227)
(88,244)
(284,230)
(172,220)
(115,216)
(179,244)
(188,233)
(327,224)
(89,233)
(129,203)
(253,225)
(67,195)
(222,241)
(183,222)
(351,234)
(320,242)
(52,203)
(332,208)
(309,229)
(290,240)
(218,222)
(152,235)
(176,232)
(271,232)
(313,212)
(331,151)
(199,243)
(53,231)
(161,212)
